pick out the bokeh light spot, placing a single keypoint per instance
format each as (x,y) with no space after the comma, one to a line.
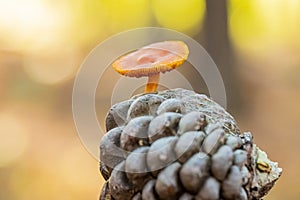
(53,67)
(30,24)
(13,138)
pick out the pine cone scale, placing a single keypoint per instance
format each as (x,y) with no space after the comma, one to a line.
(177,144)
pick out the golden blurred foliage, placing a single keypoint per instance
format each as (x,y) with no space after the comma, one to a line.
(258,25)
(183,16)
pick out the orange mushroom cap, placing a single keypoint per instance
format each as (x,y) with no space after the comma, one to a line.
(152,59)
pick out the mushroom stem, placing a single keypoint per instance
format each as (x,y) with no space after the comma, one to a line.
(152,83)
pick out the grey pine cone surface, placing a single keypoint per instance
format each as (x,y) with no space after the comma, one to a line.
(177,144)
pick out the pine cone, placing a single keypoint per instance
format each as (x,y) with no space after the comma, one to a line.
(177,144)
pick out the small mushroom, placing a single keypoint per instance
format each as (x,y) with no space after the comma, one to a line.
(151,60)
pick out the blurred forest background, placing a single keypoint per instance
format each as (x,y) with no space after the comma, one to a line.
(256,45)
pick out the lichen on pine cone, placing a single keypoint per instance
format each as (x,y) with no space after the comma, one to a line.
(177,144)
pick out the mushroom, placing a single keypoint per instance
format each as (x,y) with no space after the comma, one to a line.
(151,60)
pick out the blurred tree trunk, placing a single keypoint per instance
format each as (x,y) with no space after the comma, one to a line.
(216,42)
